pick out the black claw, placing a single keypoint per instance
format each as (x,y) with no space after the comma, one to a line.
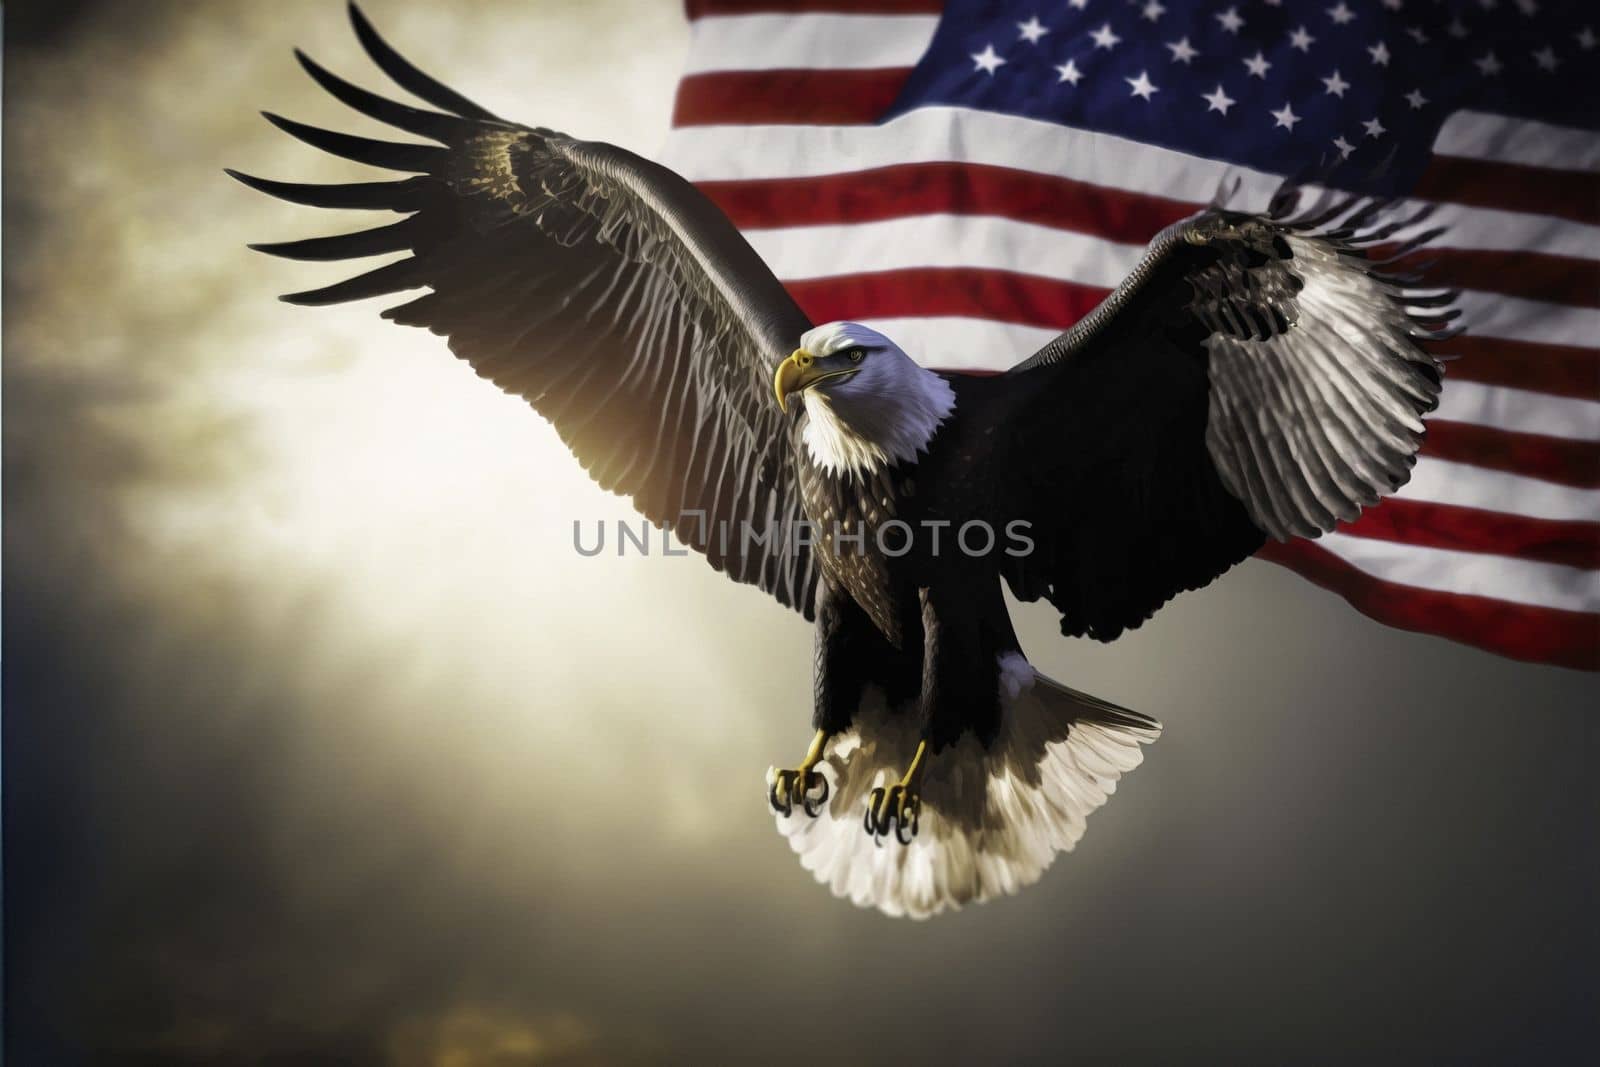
(874,801)
(884,817)
(904,832)
(813,806)
(790,788)
(783,806)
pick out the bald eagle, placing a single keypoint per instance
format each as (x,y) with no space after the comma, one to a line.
(1255,376)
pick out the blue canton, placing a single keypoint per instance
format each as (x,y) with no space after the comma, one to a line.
(1341,89)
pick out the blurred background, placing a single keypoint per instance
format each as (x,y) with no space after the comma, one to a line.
(322,745)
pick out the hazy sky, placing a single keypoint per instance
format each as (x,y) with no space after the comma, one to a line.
(322,744)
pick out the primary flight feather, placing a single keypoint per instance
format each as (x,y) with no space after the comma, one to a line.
(1256,375)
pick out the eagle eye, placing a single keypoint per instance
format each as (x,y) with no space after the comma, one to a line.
(856,354)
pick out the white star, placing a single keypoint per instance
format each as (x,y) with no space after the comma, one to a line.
(1392,5)
(1230,20)
(1069,72)
(1488,65)
(1154,10)
(1374,128)
(1301,39)
(1416,99)
(1142,86)
(1285,117)
(1031,30)
(987,60)
(1456,28)
(1079,4)
(1344,147)
(1546,58)
(1218,101)
(1379,53)
(1336,84)
(1586,38)
(1341,13)
(1182,51)
(1416,34)
(1527,7)
(1257,65)
(1104,38)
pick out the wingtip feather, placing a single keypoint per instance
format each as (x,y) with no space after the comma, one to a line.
(394,155)
(408,76)
(436,125)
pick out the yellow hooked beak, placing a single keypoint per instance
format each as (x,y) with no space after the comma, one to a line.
(790,377)
(800,371)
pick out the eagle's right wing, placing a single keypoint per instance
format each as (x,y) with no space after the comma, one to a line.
(1256,375)
(601,287)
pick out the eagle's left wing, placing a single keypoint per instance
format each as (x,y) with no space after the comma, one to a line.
(602,288)
(1254,376)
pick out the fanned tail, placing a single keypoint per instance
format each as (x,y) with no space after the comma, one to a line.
(993,819)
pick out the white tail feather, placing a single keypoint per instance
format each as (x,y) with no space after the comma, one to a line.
(993,819)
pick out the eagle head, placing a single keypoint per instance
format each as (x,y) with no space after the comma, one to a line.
(868,404)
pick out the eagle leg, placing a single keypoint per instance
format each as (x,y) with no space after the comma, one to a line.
(898,808)
(796,786)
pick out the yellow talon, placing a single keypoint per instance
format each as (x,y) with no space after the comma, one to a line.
(794,787)
(900,805)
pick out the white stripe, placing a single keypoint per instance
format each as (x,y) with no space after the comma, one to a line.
(1520,581)
(1520,411)
(1515,319)
(945,134)
(950,342)
(1487,229)
(986,243)
(816,42)
(1500,138)
(941,135)
(1438,481)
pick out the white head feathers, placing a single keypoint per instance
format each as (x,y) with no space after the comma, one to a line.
(885,413)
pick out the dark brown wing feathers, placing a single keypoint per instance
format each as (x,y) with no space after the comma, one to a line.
(599,286)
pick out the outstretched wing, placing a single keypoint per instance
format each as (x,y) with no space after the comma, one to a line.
(1255,375)
(601,287)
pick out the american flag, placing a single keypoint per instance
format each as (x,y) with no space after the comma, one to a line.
(973,177)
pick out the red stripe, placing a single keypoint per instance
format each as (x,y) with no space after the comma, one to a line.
(911,189)
(923,291)
(1531,275)
(786,97)
(1521,631)
(1569,194)
(699,9)
(1552,459)
(1564,370)
(774,97)
(1497,533)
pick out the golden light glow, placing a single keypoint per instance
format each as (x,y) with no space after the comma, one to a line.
(346,754)
(325,457)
